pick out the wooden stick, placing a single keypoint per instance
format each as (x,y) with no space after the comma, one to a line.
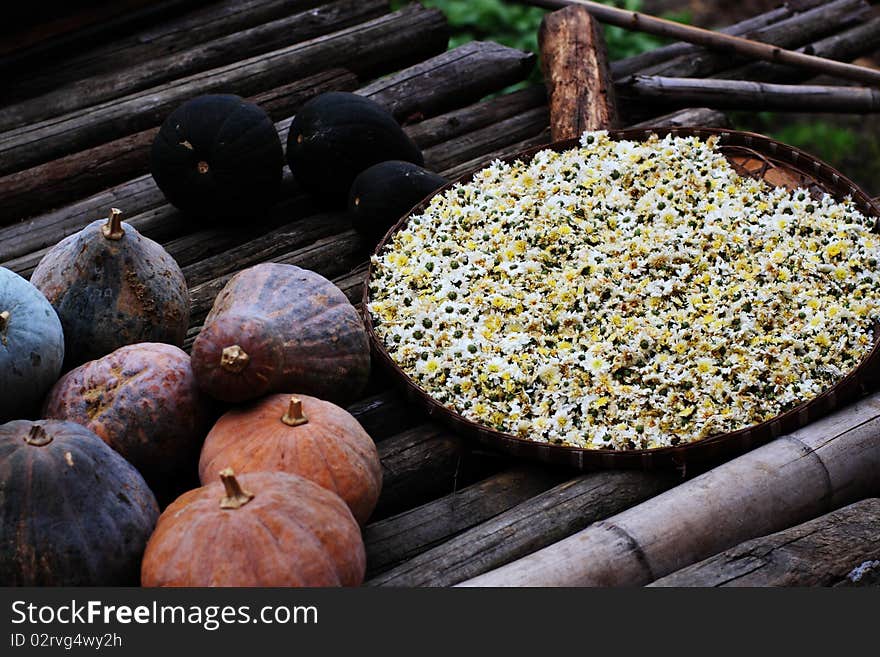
(170,36)
(79,174)
(792,32)
(473,144)
(748,95)
(459,76)
(640,22)
(849,44)
(575,65)
(408,35)
(407,534)
(700,116)
(812,471)
(635,63)
(821,552)
(385,414)
(284,32)
(426,462)
(529,526)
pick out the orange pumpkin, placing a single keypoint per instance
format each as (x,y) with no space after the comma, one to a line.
(260,529)
(302,435)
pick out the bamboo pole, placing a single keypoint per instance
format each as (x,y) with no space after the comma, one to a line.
(799,476)
(827,551)
(749,95)
(635,63)
(637,21)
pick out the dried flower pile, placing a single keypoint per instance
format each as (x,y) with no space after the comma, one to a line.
(626,295)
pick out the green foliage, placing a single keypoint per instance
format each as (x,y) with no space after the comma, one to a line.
(517,25)
(828,141)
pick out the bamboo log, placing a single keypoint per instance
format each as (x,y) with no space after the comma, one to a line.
(86,172)
(433,131)
(281,33)
(529,526)
(407,534)
(470,145)
(424,463)
(701,116)
(460,76)
(575,64)
(862,39)
(726,43)
(792,32)
(821,552)
(631,65)
(799,476)
(165,38)
(408,35)
(77,27)
(748,95)
(385,414)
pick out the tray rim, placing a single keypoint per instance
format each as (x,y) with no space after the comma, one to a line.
(718,447)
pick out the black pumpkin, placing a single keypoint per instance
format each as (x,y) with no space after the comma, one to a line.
(383,193)
(31,346)
(337,135)
(218,156)
(112,287)
(73,511)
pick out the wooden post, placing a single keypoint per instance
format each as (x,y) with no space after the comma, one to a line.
(576,72)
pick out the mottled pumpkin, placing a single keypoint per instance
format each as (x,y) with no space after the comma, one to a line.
(31,347)
(72,511)
(144,402)
(260,529)
(277,327)
(111,287)
(305,436)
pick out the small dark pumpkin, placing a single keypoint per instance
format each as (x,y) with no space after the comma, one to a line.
(73,511)
(218,156)
(111,287)
(386,191)
(261,529)
(31,346)
(301,435)
(144,402)
(277,327)
(337,135)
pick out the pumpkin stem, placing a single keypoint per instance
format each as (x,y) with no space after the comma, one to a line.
(37,436)
(112,230)
(234,359)
(236,496)
(202,167)
(294,416)
(4,320)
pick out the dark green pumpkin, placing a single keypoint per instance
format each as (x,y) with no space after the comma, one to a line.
(72,511)
(31,347)
(385,192)
(218,156)
(337,135)
(111,287)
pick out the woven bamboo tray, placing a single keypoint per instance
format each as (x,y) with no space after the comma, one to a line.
(753,155)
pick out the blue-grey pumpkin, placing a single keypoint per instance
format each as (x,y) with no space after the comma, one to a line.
(31,347)
(112,287)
